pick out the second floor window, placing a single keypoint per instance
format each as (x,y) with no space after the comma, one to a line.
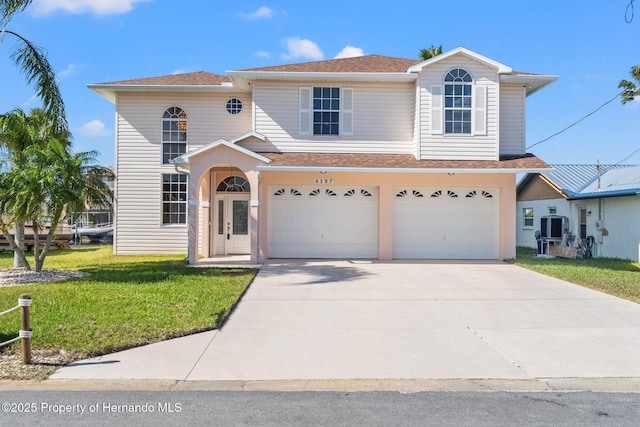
(457,102)
(174,133)
(326,110)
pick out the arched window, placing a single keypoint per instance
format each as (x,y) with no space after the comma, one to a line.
(234,184)
(457,102)
(174,133)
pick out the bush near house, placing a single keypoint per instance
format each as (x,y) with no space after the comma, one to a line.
(128,300)
(617,277)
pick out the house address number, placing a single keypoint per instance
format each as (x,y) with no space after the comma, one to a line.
(323,181)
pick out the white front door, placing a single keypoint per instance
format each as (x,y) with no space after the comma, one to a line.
(231,219)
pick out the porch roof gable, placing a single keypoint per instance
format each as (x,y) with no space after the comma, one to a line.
(185,158)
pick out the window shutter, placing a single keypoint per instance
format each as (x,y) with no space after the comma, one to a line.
(480,110)
(347,111)
(436,110)
(305,111)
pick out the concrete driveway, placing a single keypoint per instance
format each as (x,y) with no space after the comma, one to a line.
(333,320)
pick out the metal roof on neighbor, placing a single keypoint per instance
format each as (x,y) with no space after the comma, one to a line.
(581,181)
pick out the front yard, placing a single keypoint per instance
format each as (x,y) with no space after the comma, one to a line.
(128,301)
(613,276)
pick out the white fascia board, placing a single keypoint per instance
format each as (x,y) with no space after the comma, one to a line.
(108,91)
(267,168)
(532,82)
(502,68)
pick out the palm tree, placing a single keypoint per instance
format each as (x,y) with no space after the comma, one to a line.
(429,53)
(51,178)
(32,61)
(631,89)
(18,131)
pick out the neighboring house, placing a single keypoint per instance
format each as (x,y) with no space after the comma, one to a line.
(600,201)
(367,157)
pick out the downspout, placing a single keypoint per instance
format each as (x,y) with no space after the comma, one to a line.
(180,169)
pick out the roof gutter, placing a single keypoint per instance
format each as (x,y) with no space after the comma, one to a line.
(108,91)
(449,171)
(603,196)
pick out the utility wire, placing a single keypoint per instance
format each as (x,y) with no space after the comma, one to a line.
(576,122)
(628,13)
(627,156)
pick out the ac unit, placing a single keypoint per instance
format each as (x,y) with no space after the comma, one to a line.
(553,226)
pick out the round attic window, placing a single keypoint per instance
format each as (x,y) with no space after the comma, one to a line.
(234,106)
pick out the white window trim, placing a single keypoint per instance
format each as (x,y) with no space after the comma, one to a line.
(479,102)
(163,142)
(305,111)
(524,219)
(186,202)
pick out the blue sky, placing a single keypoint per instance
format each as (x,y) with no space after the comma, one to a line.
(587,43)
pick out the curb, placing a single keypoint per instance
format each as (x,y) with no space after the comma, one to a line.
(627,385)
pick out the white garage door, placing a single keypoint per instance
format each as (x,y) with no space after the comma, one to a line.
(323,222)
(441,223)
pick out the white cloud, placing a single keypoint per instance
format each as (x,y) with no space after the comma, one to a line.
(29,101)
(185,70)
(262,13)
(97,7)
(302,48)
(68,72)
(94,128)
(349,52)
(263,54)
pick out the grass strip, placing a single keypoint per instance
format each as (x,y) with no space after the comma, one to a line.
(613,276)
(128,300)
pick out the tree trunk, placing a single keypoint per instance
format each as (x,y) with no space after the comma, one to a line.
(19,258)
(47,244)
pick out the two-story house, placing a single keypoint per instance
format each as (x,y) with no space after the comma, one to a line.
(366,157)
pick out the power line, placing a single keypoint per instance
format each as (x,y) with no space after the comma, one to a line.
(627,156)
(576,122)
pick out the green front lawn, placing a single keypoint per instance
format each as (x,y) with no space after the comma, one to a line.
(610,275)
(128,300)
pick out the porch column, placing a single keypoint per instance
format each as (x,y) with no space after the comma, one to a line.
(192,218)
(254,211)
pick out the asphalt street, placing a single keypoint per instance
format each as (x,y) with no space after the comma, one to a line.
(243,408)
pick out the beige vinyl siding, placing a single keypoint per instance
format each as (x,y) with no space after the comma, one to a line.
(139,170)
(512,119)
(457,147)
(383,117)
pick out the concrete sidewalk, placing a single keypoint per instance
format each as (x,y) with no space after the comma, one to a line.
(397,321)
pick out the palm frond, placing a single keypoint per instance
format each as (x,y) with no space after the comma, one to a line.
(8,8)
(32,61)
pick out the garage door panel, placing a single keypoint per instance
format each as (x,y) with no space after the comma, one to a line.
(445,223)
(331,222)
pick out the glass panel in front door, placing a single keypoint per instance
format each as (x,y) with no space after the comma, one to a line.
(240,217)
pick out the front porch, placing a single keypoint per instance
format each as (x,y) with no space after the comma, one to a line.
(227,261)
